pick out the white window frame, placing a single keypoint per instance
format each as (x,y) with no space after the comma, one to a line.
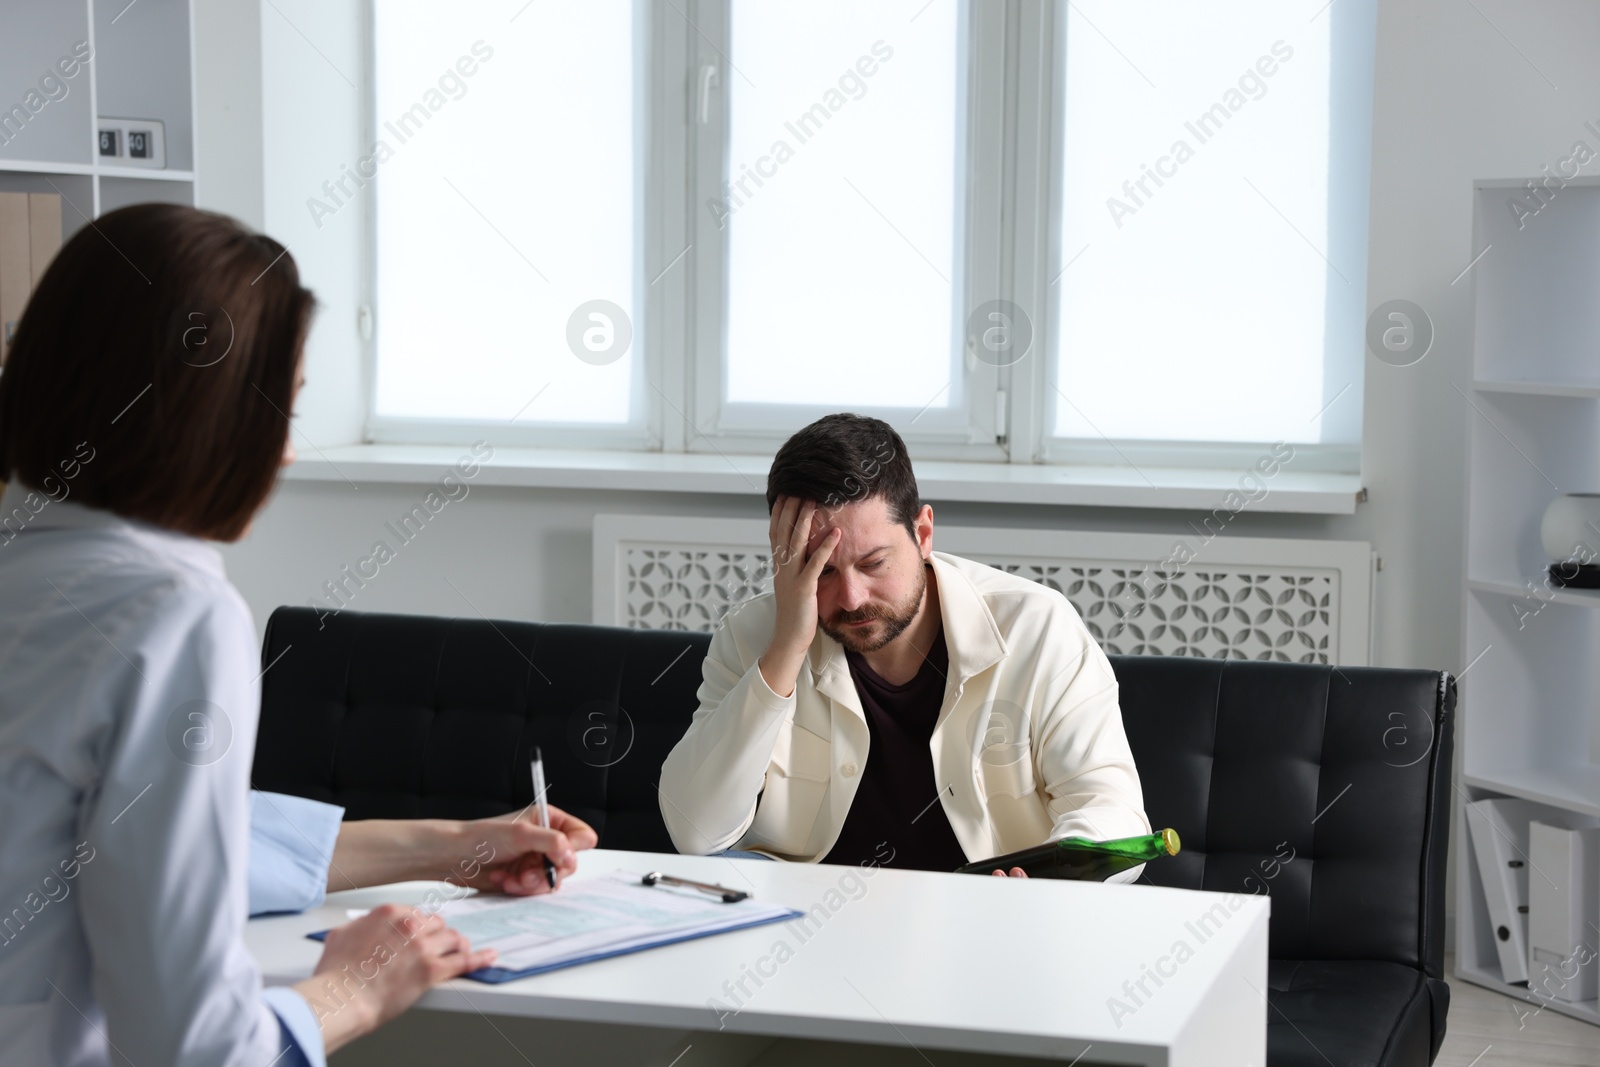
(1039,215)
(965,430)
(1007,250)
(652,202)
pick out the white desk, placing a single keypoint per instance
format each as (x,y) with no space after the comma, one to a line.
(895,960)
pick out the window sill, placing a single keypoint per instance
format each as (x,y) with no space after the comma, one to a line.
(1302,492)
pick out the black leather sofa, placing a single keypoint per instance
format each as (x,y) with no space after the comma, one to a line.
(1327,787)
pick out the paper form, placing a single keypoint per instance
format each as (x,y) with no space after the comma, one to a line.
(602,915)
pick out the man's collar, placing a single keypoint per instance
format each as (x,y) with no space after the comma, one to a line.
(969,628)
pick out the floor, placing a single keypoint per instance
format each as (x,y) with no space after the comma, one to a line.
(1490,1030)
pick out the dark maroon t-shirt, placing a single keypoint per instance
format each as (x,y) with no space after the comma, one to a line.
(897,805)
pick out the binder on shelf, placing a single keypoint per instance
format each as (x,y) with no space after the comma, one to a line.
(30,237)
(16,271)
(1563,911)
(44,233)
(1499,830)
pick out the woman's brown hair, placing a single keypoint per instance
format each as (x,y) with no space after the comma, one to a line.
(162,343)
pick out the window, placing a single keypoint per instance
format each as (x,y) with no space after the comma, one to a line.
(1210,231)
(506,217)
(841,206)
(1104,232)
(833,238)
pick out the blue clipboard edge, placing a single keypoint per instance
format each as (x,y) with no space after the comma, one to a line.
(497,975)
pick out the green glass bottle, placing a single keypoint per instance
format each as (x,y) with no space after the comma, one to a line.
(1080,859)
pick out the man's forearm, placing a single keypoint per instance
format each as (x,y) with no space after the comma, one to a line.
(379,851)
(780,668)
(713,775)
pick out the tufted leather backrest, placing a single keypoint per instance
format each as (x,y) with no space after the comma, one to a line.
(1344,769)
(413,716)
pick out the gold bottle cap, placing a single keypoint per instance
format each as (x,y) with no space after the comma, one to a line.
(1169,837)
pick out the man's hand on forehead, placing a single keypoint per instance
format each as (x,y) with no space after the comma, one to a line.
(822,523)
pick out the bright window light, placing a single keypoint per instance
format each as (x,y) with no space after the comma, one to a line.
(1194,272)
(841,209)
(505,203)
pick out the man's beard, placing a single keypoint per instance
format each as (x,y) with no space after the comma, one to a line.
(895,620)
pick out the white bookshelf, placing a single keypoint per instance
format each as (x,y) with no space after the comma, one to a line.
(1529,707)
(142,67)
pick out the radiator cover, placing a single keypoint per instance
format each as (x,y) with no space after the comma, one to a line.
(1285,599)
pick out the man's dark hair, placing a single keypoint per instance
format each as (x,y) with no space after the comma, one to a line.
(153,370)
(845,459)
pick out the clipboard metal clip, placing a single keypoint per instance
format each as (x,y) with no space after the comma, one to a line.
(728,896)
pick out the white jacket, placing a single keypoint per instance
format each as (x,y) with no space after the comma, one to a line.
(1028,746)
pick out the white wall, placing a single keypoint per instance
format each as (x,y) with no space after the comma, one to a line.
(525,554)
(311,123)
(227,35)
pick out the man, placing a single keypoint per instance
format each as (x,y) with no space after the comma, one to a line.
(889,704)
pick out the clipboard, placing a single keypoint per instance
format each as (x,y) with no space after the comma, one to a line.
(596,919)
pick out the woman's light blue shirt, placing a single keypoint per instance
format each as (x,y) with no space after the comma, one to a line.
(291,845)
(129,692)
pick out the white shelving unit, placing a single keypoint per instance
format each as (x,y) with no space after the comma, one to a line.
(1529,721)
(141,67)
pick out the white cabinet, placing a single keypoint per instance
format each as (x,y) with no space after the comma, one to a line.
(1529,710)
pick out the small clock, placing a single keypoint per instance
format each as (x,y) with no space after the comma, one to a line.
(133,142)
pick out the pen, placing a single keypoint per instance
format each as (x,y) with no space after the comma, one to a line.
(544,809)
(729,896)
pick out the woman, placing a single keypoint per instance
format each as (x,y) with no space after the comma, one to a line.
(144,411)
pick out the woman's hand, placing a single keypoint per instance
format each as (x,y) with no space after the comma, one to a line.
(503,853)
(376,967)
(1016,872)
(516,847)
